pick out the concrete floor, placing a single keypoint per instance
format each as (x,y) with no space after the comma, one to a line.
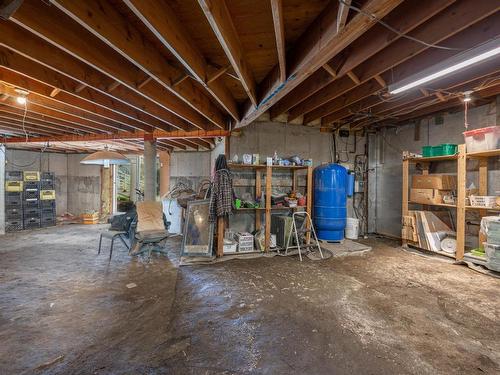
(65,310)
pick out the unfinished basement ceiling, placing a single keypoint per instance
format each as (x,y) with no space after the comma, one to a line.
(189,71)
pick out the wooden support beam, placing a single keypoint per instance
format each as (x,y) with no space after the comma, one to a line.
(179,80)
(380,81)
(444,25)
(220,20)
(279,34)
(165,25)
(353,77)
(127,40)
(77,77)
(219,72)
(113,86)
(55,27)
(440,96)
(157,134)
(54,92)
(330,70)
(405,17)
(342,14)
(144,82)
(23,72)
(317,46)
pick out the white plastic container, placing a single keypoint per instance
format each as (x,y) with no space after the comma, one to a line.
(352,228)
(482,139)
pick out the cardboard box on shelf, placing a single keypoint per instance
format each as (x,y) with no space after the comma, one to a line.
(427,196)
(434,181)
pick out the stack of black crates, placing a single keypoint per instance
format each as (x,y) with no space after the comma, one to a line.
(13,201)
(48,199)
(29,200)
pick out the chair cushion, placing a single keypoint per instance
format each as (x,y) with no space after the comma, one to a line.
(152,235)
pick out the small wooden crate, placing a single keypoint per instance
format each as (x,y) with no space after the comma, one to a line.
(90,218)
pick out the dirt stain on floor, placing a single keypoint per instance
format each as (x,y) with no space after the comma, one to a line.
(65,310)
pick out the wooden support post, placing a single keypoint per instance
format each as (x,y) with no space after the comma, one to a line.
(106,193)
(220,237)
(461,170)
(164,172)
(406,170)
(309,190)
(269,178)
(258,193)
(294,180)
(483,190)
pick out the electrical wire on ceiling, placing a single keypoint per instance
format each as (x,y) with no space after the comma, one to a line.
(396,31)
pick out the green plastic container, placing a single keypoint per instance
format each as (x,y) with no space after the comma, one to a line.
(426,151)
(437,151)
(449,149)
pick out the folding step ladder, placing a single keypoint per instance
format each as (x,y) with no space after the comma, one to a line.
(300,234)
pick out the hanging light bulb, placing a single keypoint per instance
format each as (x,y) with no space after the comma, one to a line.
(21,96)
(467,96)
(105,158)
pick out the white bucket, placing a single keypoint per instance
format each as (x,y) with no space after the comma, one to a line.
(352,228)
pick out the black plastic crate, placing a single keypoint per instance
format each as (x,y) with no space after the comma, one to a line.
(47,176)
(13,199)
(48,211)
(32,212)
(47,185)
(30,185)
(31,194)
(48,222)
(13,213)
(32,223)
(32,203)
(13,176)
(48,204)
(13,225)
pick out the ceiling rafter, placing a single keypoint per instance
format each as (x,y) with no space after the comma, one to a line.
(279,33)
(318,45)
(479,30)
(56,28)
(161,20)
(123,37)
(359,51)
(219,18)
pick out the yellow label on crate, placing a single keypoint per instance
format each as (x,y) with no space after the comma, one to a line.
(31,176)
(15,186)
(46,195)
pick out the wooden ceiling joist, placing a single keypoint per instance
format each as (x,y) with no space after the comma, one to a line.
(457,17)
(123,37)
(342,14)
(32,56)
(19,120)
(162,21)
(220,20)
(56,28)
(319,44)
(279,32)
(404,18)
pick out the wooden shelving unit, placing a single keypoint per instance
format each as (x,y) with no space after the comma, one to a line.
(461,163)
(267,171)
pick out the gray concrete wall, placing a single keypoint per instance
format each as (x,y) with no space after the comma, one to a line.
(264,138)
(44,162)
(190,168)
(84,186)
(385,192)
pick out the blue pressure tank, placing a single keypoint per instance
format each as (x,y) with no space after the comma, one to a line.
(332,185)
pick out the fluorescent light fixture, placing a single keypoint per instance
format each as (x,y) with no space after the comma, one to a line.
(451,65)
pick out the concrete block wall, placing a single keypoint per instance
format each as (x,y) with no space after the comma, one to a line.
(190,168)
(386,176)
